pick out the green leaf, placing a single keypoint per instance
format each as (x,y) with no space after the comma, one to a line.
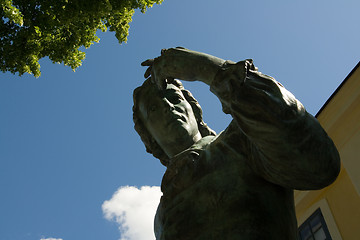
(33,29)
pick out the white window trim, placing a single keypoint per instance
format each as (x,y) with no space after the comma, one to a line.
(328,217)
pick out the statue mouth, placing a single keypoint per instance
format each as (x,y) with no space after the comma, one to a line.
(176,118)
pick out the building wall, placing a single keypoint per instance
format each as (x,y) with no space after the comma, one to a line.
(339,202)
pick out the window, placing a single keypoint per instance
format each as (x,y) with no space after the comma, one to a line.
(314,228)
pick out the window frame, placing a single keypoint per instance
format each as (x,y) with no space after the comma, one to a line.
(307,223)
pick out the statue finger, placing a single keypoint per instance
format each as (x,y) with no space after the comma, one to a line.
(147,62)
(157,80)
(148,72)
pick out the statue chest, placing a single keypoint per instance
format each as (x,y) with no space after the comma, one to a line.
(210,193)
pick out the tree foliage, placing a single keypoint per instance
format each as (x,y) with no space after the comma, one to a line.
(33,29)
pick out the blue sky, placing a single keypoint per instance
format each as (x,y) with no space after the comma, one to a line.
(67,142)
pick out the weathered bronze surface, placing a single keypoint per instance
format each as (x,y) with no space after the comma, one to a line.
(237,184)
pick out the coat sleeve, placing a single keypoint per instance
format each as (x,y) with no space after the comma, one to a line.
(286,145)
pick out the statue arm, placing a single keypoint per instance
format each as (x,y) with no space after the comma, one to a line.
(183,64)
(287,146)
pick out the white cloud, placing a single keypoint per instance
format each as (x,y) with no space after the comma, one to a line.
(134,210)
(51,239)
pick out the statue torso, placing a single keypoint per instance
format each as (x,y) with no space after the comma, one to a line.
(210,192)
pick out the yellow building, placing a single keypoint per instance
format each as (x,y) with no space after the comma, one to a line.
(334,212)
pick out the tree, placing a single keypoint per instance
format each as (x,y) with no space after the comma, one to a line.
(33,29)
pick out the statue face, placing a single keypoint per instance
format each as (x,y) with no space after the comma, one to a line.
(169,118)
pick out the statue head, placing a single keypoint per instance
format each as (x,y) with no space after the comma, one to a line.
(170,117)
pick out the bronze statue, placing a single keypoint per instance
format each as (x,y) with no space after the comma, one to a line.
(237,184)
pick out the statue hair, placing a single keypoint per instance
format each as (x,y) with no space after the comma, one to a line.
(150,144)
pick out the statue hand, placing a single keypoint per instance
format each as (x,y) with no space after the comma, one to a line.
(182,64)
(155,70)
